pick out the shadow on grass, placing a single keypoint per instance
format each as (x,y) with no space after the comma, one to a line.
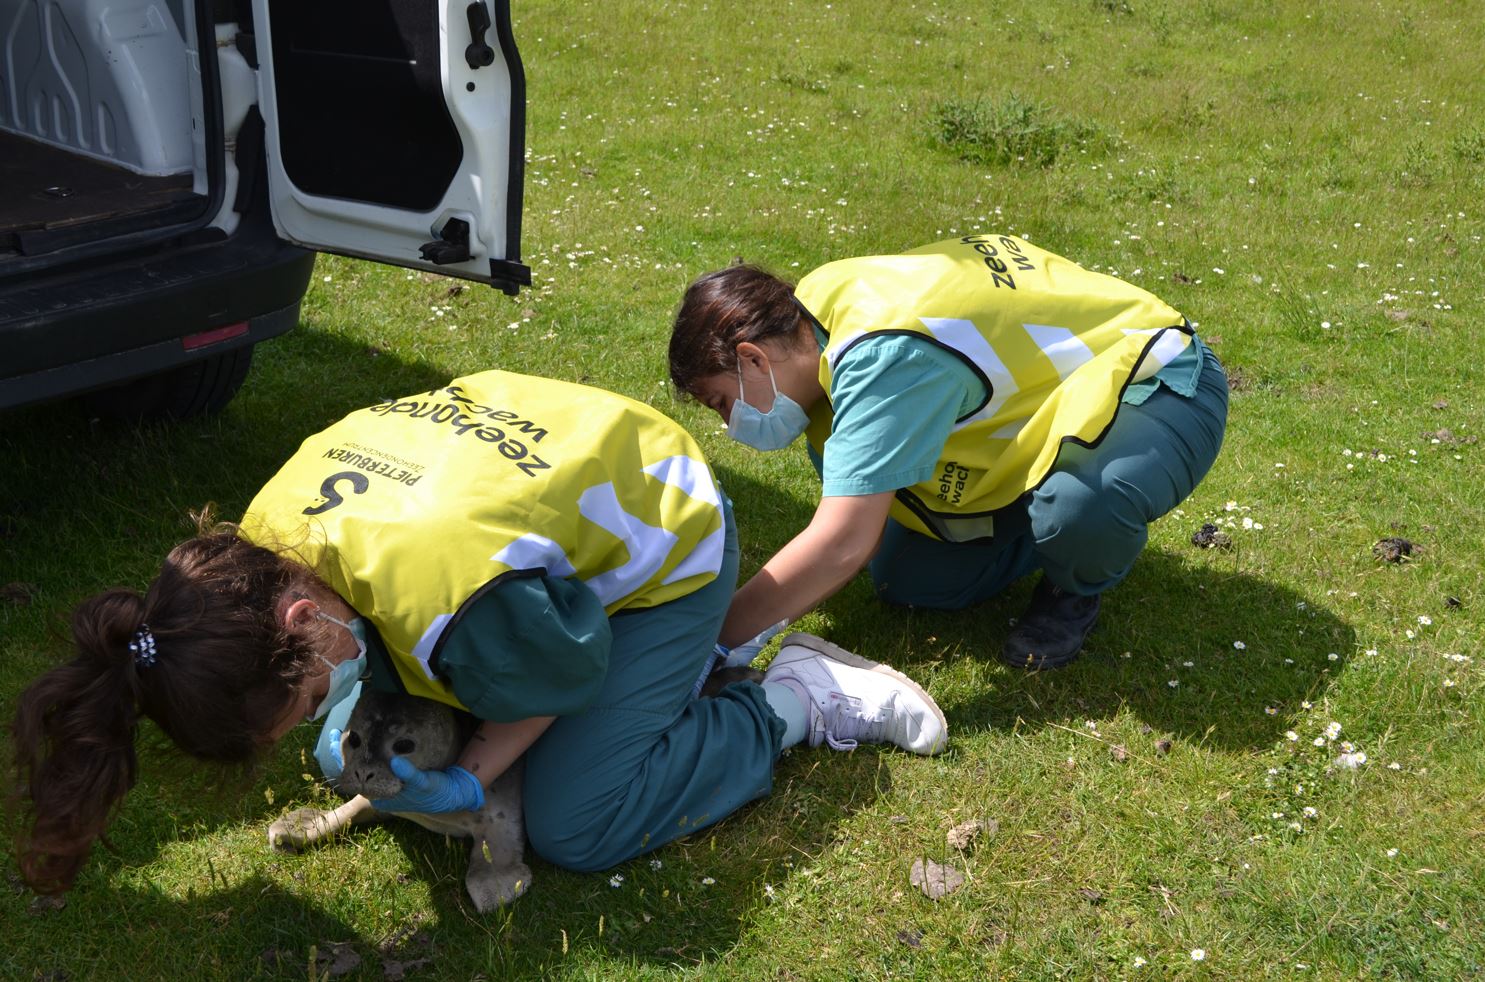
(1196,651)
(255,929)
(1175,607)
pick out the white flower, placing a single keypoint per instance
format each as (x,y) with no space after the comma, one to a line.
(1371,652)
(1425,620)
(707,881)
(616,880)
(1189,664)
(1270,710)
(1174,683)
(1247,522)
(656,864)
(1198,954)
(1333,657)
(1291,736)
(1394,766)
(1351,760)
(1409,634)
(1391,853)
(1332,730)
(1139,961)
(1448,683)
(1318,741)
(1306,704)
(1239,645)
(1310,811)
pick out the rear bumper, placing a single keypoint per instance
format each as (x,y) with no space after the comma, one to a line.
(65,334)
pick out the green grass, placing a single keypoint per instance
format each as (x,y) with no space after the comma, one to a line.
(1269,169)
(1009,131)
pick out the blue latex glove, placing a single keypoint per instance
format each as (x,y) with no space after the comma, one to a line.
(327,747)
(451,790)
(334,750)
(744,653)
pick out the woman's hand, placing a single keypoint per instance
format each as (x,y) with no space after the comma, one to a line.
(451,790)
(743,654)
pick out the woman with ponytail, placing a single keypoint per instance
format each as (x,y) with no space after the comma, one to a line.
(202,653)
(474,545)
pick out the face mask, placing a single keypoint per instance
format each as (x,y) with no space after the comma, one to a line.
(343,677)
(773,430)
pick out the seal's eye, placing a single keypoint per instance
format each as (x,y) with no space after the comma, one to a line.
(404,747)
(353,740)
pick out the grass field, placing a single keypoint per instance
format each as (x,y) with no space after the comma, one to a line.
(1303,181)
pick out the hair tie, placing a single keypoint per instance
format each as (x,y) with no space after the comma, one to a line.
(143,646)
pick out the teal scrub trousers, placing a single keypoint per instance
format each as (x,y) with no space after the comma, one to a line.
(1089,520)
(647,763)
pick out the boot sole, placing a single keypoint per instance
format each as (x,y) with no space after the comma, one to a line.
(836,653)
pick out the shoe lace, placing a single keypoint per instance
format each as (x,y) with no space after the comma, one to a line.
(849,723)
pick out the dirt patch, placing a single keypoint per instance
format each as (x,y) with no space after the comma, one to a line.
(1210,536)
(1447,436)
(1394,549)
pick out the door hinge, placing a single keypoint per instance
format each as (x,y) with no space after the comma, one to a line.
(451,246)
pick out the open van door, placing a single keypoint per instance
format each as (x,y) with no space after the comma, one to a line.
(396,131)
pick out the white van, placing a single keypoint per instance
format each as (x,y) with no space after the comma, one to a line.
(165,165)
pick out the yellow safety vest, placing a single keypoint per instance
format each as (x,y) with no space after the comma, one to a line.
(1054,344)
(411,508)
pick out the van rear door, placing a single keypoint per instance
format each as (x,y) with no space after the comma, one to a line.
(396,131)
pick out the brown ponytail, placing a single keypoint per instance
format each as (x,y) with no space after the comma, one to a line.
(224,673)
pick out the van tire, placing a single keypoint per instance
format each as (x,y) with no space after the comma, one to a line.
(196,389)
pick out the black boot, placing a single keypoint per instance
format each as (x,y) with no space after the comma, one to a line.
(1052,629)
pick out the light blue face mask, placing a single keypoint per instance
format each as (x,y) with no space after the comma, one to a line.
(343,677)
(773,430)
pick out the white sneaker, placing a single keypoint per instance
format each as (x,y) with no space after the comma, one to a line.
(856,700)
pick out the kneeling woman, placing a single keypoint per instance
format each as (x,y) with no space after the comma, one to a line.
(978,409)
(553,558)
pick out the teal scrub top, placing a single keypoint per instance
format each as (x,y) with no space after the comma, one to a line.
(895,399)
(528,646)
